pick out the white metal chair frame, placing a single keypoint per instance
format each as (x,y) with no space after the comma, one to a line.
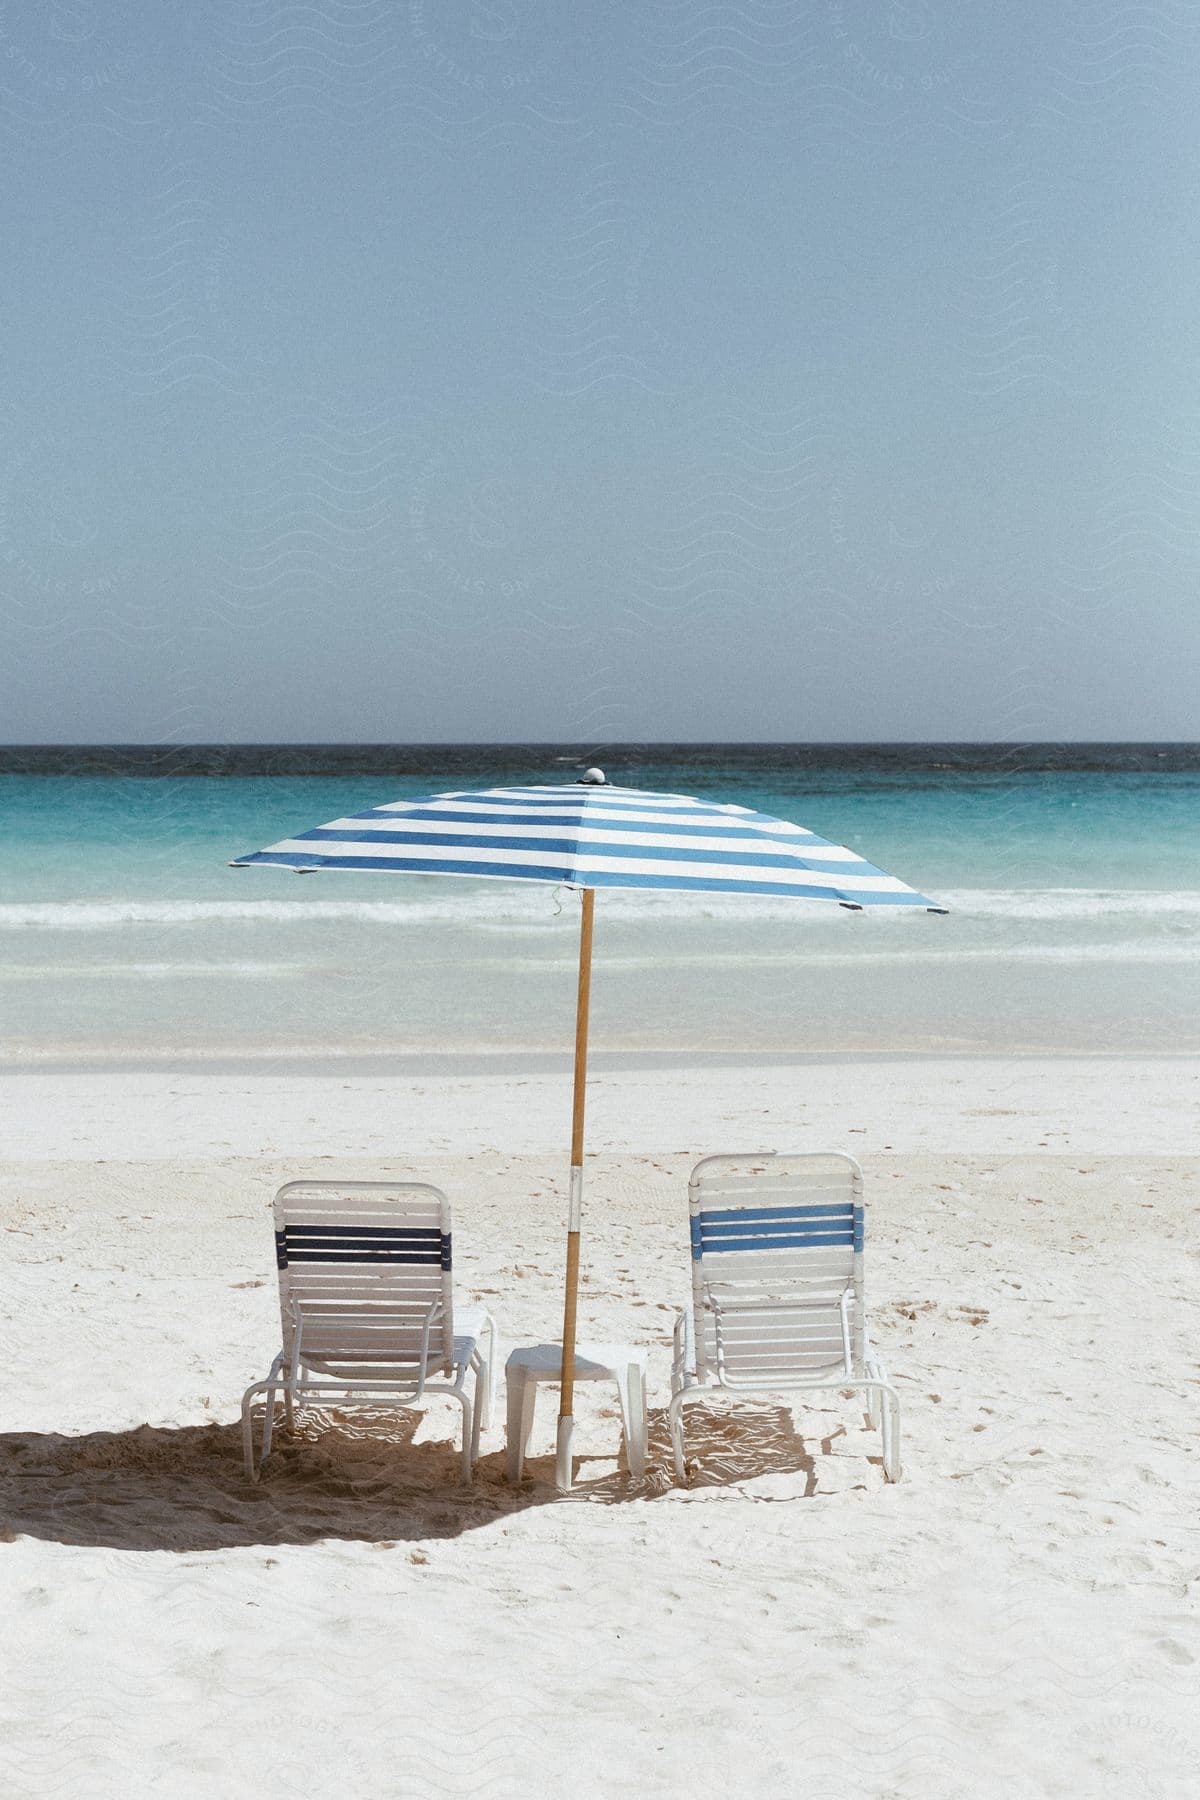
(777,1289)
(367,1309)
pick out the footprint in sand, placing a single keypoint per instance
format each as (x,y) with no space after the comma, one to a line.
(967,1315)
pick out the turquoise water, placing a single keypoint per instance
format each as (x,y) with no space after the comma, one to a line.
(1074,924)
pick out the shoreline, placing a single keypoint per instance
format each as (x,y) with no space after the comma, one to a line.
(995,1105)
(320,1064)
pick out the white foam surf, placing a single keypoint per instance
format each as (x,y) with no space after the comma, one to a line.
(536,907)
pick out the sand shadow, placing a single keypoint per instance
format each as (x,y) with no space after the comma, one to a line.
(358,1478)
(184,1488)
(729,1444)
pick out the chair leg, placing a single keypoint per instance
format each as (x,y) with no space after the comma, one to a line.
(268,1387)
(248,1431)
(875,1372)
(675,1420)
(268,1423)
(890,1433)
(468,1434)
(883,1404)
(480,1405)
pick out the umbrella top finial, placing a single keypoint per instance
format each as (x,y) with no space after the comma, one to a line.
(592,778)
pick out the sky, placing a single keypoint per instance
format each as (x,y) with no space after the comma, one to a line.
(404,371)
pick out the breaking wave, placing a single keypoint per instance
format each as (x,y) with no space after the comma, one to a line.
(537,907)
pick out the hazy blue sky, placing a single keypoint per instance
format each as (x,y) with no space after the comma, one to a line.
(392,370)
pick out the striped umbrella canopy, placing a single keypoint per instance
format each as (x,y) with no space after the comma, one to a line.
(588,835)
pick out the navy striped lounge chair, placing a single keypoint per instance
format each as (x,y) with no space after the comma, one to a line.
(367,1306)
(777,1289)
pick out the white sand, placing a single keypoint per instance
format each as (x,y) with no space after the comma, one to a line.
(1016,1618)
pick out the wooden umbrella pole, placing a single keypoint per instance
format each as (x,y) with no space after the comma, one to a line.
(575,1217)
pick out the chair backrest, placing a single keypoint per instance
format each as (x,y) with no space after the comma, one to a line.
(366,1260)
(777,1240)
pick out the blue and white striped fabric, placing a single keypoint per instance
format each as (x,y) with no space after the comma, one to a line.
(593,837)
(758,1228)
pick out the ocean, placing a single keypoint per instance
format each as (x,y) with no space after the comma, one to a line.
(1072,875)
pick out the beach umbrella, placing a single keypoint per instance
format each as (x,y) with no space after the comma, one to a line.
(589,835)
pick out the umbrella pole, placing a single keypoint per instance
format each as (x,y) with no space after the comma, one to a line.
(566,1421)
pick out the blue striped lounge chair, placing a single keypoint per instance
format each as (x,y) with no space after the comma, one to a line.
(777,1289)
(367,1306)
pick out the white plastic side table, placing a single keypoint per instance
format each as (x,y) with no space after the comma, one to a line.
(531,1365)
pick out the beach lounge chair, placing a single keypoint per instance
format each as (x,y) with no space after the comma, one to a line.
(777,1289)
(365,1294)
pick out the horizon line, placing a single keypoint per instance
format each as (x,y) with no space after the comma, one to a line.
(593,747)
